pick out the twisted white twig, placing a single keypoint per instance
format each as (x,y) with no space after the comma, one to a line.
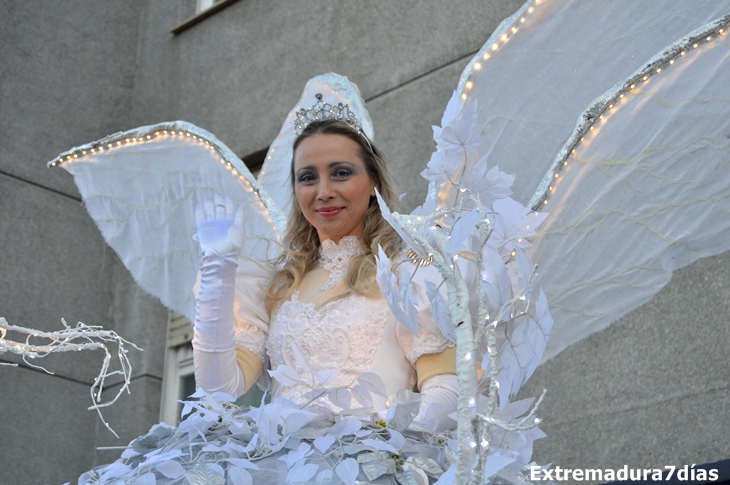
(80,337)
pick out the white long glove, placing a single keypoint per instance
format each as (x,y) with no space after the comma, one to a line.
(440,397)
(220,234)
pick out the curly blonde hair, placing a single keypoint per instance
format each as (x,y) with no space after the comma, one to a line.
(301,242)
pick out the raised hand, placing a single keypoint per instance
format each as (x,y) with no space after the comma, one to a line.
(220,226)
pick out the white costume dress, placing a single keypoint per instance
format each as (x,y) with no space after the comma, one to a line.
(330,329)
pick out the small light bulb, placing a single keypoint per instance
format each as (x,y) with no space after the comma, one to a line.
(157,133)
(671,62)
(610,106)
(486,56)
(495,46)
(119,143)
(503,38)
(468,356)
(513,253)
(127,140)
(149,137)
(514,30)
(522,19)
(76,156)
(165,132)
(463,96)
(591,127)
(556,175)
(528,226)
(695,46)
(187,134)
(565,163)
(93,150)
(682,53)
(101,149)
(645,78)
(477,67)
(709,37)
(530,10)
(621,95)
(473,444)
(485,443)
(633,86)
(659,70)
(582,139)
(472,402)
(110,145)
(545,202)
(469,84)
(538,420)
(84,152)
(269,157)
(172,132)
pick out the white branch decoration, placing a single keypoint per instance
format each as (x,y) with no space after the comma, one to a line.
(81,337)
(475,241)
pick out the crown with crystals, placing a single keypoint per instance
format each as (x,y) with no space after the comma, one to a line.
(322,111)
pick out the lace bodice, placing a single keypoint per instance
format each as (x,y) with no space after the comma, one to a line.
(343,335)
(334,329)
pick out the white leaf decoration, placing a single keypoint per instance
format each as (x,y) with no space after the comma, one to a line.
(347,470)
(171,469)
(239,476)
(286,375)
(440,310)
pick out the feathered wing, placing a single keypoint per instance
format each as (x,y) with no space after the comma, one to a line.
(141,187)
(646,190)
(334,88)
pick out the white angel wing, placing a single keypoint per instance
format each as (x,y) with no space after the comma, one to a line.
(276,173)
(141,187)
(646,192)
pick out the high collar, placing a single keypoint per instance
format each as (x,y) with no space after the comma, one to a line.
(349,246)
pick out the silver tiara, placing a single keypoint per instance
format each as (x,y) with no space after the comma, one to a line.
(322,111)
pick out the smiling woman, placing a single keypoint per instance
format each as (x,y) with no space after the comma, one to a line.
(332,186)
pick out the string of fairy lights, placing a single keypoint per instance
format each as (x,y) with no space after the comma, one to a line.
(599,113)
(124,139)
(500,41)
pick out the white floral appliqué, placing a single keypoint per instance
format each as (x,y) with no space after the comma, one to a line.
(335,257)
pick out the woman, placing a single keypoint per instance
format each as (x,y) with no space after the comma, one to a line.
(326,309)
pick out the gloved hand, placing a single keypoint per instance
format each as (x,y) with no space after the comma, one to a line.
(440,397)
(220,234)
(220,226)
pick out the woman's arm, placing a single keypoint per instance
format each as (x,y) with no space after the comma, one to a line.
(219,365)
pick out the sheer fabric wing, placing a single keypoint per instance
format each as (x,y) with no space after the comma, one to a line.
(645,193)
(141,188)
(533,78)
(275,174)
(640,202)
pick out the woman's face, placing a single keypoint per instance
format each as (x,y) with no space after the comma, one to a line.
(332,186)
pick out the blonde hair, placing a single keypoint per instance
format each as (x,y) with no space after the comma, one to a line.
(301,242)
